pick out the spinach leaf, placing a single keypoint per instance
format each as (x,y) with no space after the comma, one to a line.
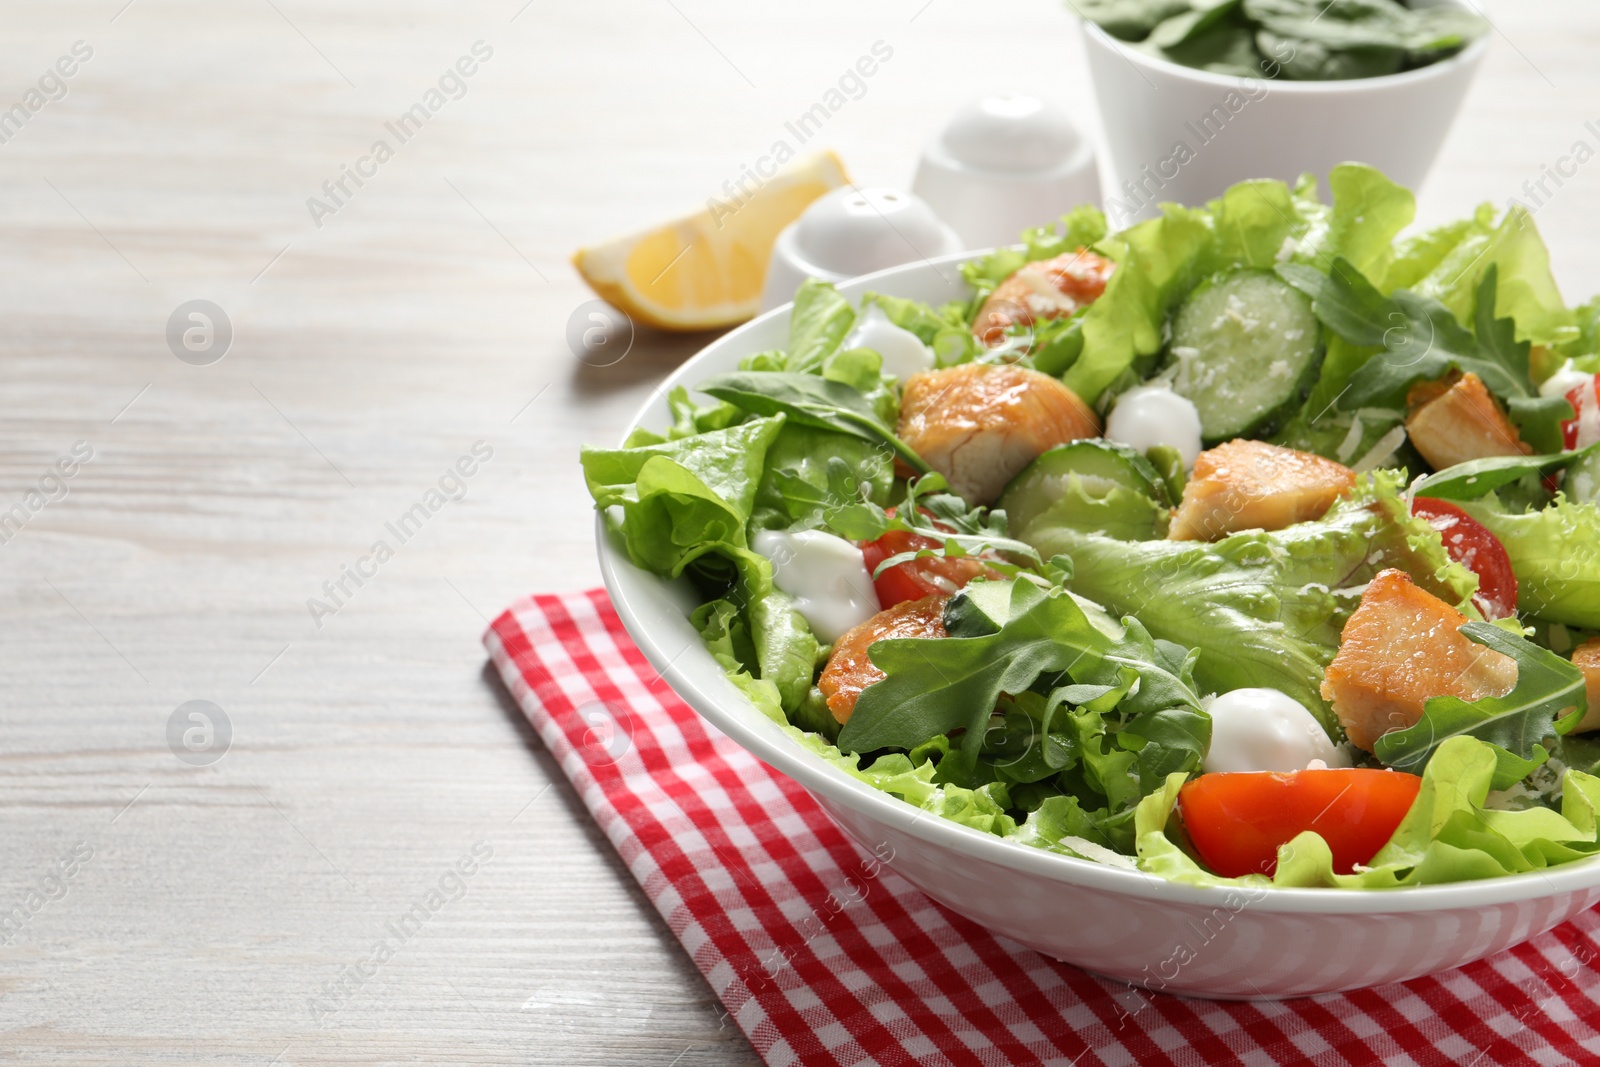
(1541,706)
(810,400)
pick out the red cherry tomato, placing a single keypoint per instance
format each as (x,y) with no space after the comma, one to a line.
(1574,432)
(1470,544)
(1238,820)
(916,578)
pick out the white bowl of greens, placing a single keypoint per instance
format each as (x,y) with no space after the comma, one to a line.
(1066,837)
(1196,96)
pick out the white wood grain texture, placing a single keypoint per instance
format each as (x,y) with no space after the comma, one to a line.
(371,753)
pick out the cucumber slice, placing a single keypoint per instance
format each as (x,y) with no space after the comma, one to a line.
(1102,466)
(1246,344)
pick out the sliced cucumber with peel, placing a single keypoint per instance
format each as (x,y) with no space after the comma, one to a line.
(1246,345)
(1101,468)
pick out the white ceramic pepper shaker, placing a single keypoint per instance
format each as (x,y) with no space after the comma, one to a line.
(1003,163)
(850,232)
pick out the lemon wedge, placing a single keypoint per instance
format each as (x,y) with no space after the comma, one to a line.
(707,269)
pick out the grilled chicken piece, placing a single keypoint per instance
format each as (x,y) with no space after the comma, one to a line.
(849,671)
(1456,419)
(1586,657)
(1400,647)
(1251,485)
(979,424)
(1044,289)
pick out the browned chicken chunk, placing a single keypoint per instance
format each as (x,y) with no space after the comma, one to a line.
(1456,420)
(1251,485)
(849,670)
(1400,647)
(1586,657)
(1044,289)
(979,424)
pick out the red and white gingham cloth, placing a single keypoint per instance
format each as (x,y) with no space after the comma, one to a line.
(823,955)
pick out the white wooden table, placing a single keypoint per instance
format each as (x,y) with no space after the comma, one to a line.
(212,911)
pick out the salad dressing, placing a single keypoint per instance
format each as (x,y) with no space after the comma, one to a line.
(903,352)
(825,574)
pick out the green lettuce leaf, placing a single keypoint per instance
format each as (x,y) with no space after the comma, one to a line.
(1265,609)
(1368,211)
(682,498)
(1158,263)
(1447,836)
(817,325)
(1553,555)
(1525,291)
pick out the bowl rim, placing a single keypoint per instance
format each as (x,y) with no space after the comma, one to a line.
(762,739)
(1468,56)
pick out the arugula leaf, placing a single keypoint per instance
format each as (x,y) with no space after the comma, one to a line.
(817,325)
(1420,337)
(1541,706)
(1538,419)
(810,400)
(936,686)
(1480,477)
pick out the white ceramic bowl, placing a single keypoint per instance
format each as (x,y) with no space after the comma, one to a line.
(1208,942)
(1182,135)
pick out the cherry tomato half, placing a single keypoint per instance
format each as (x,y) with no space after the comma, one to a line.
(1238,820)
(916,578)
(1470,544)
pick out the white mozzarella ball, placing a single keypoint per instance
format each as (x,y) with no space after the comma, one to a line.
(1265,730)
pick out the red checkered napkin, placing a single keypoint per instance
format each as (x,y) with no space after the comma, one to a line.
(823,955)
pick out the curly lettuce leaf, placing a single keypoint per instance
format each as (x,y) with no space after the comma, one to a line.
(1265,609)
(1526,289)
(1158,263)
(1447,836)
(1367,212)
(1554,555)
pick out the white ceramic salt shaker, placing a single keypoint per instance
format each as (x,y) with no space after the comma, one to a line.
(1003,163)
(850,232)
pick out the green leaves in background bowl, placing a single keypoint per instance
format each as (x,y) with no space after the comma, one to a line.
(1303,40)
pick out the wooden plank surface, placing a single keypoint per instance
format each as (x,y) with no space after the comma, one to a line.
(211,909)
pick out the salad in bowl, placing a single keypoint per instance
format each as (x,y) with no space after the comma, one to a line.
(1254,546)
